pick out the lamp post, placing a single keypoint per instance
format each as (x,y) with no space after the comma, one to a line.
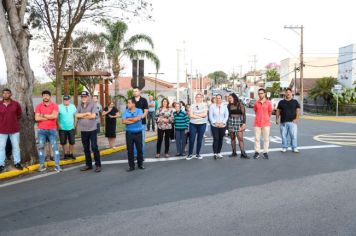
(156,73)
(73,76)
(301,34)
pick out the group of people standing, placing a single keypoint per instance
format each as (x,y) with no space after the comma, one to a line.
(188,124)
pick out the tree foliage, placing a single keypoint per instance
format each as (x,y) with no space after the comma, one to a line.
(322,88)
(57,20)
(117,47)
(275,90)
(347,96)
(273,75)
(218,77)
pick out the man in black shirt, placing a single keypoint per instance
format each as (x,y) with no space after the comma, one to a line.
(141,103)
(288,116)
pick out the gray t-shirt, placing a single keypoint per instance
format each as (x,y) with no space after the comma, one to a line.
(200,108)
(87,124)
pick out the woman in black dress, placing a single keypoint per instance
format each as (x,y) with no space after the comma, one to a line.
(111,113)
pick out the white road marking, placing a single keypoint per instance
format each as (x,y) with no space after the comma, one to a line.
(37,177)
(151,160)
(346,139)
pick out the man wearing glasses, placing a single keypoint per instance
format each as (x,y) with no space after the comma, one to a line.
(262,124)
(66,127)
(86,114)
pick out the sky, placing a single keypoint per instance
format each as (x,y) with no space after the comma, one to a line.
(225,34)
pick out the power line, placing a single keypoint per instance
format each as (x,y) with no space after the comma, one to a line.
(340,63)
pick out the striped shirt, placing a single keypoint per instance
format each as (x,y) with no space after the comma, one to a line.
(181,120)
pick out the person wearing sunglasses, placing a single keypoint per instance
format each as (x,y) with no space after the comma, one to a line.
(262,124)
(198,115)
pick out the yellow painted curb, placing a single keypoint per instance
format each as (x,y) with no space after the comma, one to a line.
(105,152)
(328,118)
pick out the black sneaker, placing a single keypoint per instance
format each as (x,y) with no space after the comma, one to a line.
(215,157)
(66,157)
(18,166)
(2,168)
(72,157)
(256,155)
(265,155)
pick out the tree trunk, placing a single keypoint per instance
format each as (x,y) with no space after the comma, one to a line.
(20,79)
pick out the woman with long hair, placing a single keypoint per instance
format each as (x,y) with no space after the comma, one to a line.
(218,116)
(164,119)
(236,124)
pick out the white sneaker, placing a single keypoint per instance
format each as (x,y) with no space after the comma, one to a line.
(295,150)
(220,156)
(173,140)
(58,169)
(199,157)
(284,150)
(42,168)
(189,157)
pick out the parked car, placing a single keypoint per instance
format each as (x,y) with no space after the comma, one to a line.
(251,103)
(275,102)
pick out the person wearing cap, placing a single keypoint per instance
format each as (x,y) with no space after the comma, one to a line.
(10,114)
(66,129)
(86,114)
(46,114)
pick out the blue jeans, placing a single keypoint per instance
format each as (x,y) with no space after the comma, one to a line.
(180,140)
(289,129)
(143,141)
(194,131)
(51,135)
(15,140)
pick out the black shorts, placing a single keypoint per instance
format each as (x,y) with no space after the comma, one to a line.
(65,135)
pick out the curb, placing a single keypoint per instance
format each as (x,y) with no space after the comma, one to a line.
(328,118)
(28,169)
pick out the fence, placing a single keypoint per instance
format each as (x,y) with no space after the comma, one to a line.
(344,110)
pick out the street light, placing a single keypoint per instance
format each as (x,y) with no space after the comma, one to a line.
(156,73)
(301,28)
(71,50)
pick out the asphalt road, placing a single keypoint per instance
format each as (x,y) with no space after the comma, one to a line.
(311,193)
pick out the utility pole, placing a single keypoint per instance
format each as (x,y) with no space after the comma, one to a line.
(254,61)
(178,73)
(301,34)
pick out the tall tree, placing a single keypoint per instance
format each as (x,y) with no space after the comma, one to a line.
(60,18)
(15,40)
(117,47)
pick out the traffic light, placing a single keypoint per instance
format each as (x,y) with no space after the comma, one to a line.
(138,74)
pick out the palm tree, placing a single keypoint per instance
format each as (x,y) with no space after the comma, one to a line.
(117,47)
(322,88)
(129,94)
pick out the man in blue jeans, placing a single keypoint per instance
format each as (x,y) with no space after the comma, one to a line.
(141,103)
(46,114)
(287,116)
(10,114)
(132,118)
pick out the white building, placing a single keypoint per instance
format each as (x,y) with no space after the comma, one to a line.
(347,66)
(314,68)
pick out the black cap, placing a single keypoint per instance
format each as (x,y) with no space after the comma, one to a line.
(84,93)
(66,97)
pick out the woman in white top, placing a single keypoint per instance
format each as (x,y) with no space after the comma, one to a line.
(218,116)
(198,115)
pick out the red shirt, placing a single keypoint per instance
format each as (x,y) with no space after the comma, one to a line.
(263,111)
(9,117)
(46,110)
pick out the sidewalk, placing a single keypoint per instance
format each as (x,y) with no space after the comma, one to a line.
(348,119)
(120,145)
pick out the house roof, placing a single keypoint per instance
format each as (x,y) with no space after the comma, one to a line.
(125,82)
